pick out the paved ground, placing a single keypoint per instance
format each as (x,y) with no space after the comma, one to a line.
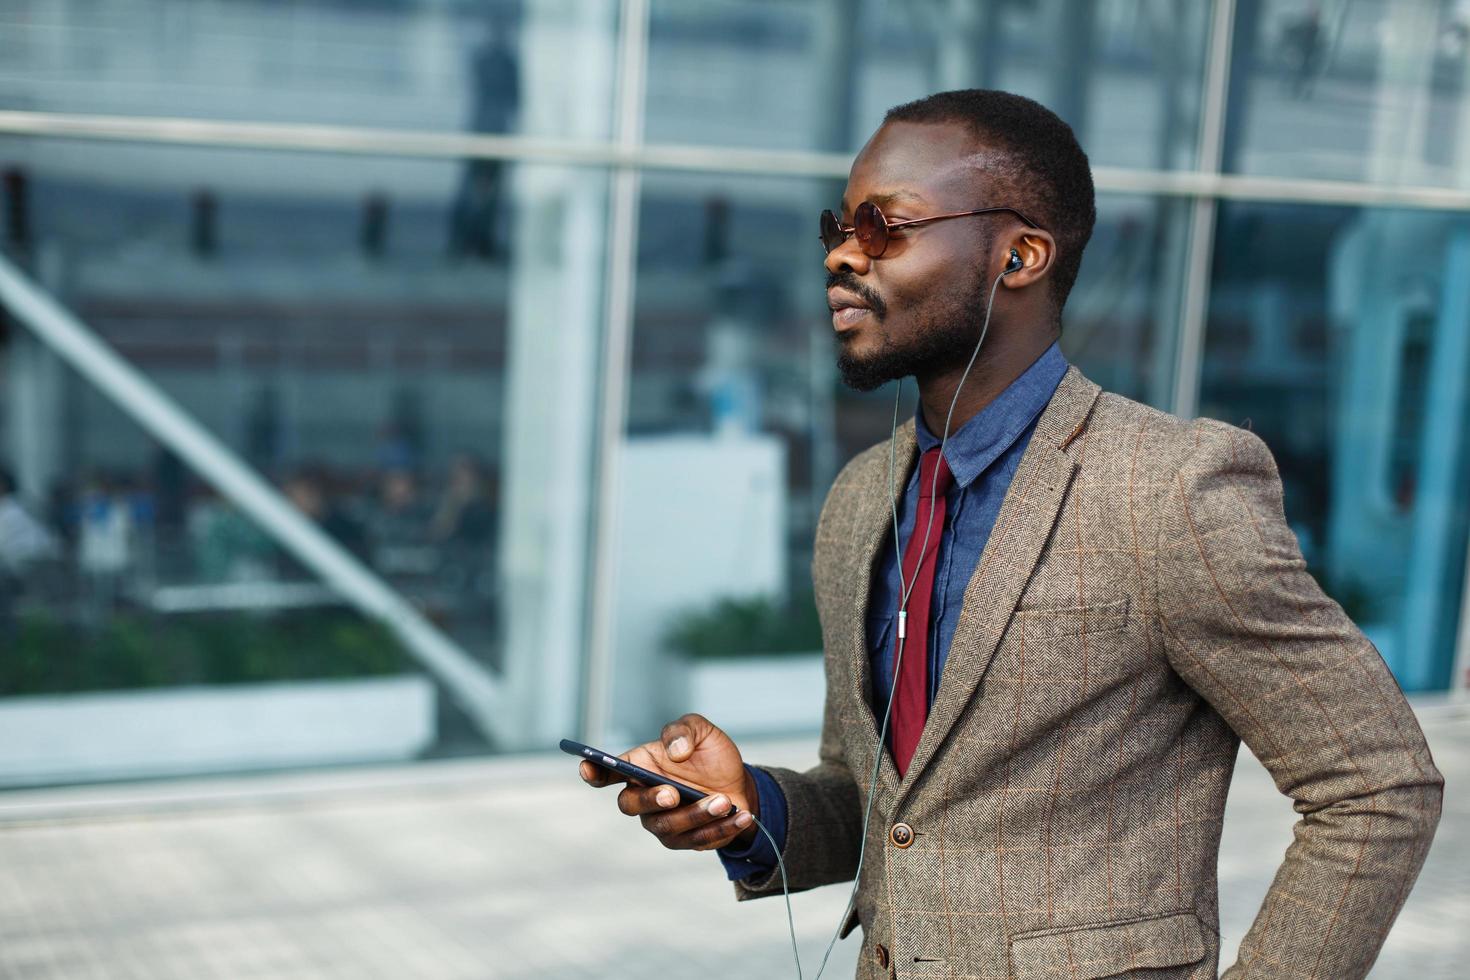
(505,868)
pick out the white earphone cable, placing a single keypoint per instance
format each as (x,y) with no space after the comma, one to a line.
(904,592)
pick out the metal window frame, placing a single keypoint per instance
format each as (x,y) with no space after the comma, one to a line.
(1200,253)
(361,141)
(616,370)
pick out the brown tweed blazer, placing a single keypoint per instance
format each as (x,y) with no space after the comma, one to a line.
(1140,608)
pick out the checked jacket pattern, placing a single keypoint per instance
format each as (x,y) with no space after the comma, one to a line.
(1141,608)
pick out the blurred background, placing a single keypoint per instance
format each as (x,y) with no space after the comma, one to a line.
(407,380)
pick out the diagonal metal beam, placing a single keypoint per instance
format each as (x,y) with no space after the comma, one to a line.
(469,683)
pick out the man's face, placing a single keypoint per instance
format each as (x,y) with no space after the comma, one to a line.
(916,309)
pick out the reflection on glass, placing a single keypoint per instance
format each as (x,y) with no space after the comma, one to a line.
(1371,90)
(819,74)
(149,629)
(731,401)
(344,327)
(343,345)
(1337,342)
(414,64)
(1118,324)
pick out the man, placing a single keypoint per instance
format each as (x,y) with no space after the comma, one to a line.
(1114,604)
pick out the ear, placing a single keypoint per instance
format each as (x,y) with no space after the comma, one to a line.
(1038,251)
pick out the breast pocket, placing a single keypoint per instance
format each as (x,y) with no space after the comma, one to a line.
(1108,949)
(1048,622)
(1092,643)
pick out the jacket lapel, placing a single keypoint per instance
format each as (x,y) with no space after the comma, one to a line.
(874,529)
(1027,516)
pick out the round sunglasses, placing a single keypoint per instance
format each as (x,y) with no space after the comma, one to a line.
(872,228)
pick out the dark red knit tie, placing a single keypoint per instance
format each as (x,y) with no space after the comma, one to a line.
(911,701)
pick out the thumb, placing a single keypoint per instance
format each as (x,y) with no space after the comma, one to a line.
(680,737)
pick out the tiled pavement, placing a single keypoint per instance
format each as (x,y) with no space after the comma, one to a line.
(507,868)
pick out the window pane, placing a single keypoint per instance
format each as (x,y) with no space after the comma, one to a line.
(1333,338)
(150,629)
(819,74)
(355,331)
(410,64)
(1118,325)
(731,406)
(1372,90)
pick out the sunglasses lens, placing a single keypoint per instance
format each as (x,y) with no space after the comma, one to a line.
(832,235)
(871,228)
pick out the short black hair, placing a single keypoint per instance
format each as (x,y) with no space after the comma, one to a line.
(1045,173)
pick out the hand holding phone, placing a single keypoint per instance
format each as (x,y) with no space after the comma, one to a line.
(701,796)
(630,772)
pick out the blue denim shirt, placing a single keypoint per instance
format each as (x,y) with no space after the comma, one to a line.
(983,455)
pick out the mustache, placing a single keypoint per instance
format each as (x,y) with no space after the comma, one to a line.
(849,281)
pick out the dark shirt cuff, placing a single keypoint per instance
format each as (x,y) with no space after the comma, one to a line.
(760,857)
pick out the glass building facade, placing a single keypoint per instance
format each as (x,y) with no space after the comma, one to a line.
(451,377)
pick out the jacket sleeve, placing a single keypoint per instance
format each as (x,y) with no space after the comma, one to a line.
(759,857)
(824,818)
(1247,627)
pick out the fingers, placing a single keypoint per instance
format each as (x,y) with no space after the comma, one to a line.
(597,776)
(680,737)
(711,822)
(637,800)
(719,833)
(697,826)
(646,756)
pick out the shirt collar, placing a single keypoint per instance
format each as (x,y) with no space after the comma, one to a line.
(995,428)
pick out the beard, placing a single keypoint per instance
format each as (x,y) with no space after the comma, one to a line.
(942,337)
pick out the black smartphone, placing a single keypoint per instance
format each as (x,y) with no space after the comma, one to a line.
(637,774)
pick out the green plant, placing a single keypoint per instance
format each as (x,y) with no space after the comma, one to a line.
(43,655)
(732,627)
